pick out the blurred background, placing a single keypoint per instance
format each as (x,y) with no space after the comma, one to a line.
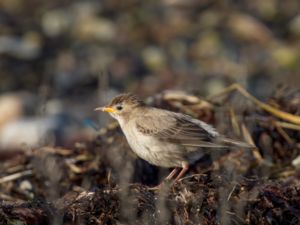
(60,59)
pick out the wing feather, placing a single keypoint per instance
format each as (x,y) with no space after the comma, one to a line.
(178,128)
(184,130)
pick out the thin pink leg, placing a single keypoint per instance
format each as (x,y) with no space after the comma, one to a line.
(169,177)
(172,174)
(185,167)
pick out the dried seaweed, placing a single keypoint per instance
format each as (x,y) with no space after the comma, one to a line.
(103,182)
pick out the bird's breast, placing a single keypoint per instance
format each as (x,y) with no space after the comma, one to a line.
(152,149)
(139,143)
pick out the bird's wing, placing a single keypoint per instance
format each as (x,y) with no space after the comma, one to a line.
(178,128)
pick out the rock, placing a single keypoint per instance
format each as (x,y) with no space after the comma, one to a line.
(35,132)
(26,47)
(296,162)
(56,22)
(285,56)
(10,108)
(294,26)
(249,28)
(154,58)
(94,28)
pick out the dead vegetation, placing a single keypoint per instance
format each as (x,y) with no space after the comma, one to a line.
(102,182)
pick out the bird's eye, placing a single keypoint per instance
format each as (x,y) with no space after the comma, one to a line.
(119,107)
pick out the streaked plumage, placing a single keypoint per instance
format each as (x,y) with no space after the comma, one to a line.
(162,137)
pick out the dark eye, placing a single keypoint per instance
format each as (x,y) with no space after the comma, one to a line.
(119,107)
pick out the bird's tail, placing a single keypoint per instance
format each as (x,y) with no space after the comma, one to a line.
(233,143)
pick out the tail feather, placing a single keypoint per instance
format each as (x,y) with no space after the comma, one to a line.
(233,143)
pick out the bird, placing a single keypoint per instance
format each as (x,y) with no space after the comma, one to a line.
(165,138)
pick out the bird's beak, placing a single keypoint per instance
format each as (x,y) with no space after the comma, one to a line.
(105,109)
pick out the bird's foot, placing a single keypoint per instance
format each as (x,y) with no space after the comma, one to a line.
(165,184)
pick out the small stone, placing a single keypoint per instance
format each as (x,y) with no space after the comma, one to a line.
(214,86)
(25,185)
(94,28)
(249,28)
(26,47)
(154,58)
(296,162)
(294,26)
(285,56)
(55,22)
(10,107)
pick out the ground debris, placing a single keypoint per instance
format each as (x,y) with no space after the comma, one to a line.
(103,182)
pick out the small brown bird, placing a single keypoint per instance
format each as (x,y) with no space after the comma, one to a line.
(165,138)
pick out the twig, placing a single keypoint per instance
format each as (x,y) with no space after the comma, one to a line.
(287,125)
(234,122)
(276,112)
(6,197)
(194,175)
(15,176)
(249,139)
(231,192)
(284,134)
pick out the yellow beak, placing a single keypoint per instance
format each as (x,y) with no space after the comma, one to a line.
(105,109)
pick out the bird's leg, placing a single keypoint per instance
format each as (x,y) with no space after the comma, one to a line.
(168,178)
(185,167)
(172,174)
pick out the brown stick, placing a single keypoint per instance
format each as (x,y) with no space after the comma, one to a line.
(276,112)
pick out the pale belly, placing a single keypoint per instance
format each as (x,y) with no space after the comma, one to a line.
(154,151)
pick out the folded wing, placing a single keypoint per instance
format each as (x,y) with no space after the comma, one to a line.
(183,129)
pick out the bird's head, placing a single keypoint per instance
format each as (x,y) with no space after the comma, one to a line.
(122,105)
